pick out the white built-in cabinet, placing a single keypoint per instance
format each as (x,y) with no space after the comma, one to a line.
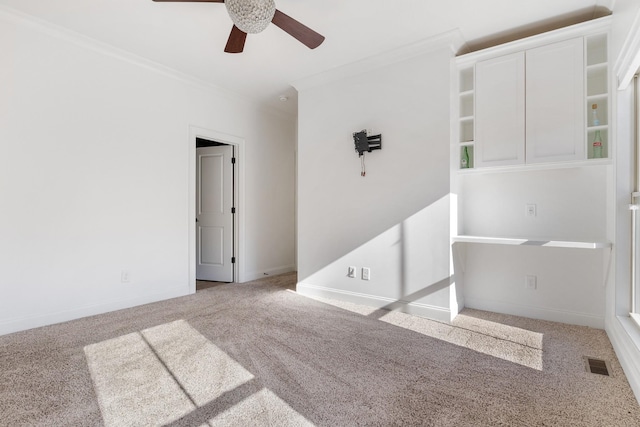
(530,106)
(500,111)
(531,196)
(532,101)
(555,102)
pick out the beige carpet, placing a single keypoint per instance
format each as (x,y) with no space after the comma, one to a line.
(258,354)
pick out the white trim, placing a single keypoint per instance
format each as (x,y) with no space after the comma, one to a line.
(625,338)
(628,61)
(635,317)
(451,39)
(270,272)
(607,4)
(36,321)
(86,42)
(440,314)
(239,231)
(553,315)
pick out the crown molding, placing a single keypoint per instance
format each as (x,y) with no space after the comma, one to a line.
(61,33)
(581,29)
(607,4)
(453,40)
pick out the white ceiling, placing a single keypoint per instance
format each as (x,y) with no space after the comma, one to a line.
(190,37)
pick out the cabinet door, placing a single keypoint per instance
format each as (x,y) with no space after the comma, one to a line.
(500,110)
(555,102)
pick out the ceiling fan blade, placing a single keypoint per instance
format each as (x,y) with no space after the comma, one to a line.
(235,44)
(194,1)
(299,31)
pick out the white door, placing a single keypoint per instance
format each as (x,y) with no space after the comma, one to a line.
(555,102)
(214,217)
(500,111)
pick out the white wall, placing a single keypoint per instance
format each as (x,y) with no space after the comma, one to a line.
(571,204)
(394,220)
(570,283)
(94,177)
(270,198)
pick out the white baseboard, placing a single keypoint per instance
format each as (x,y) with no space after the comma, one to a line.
(270,272)
(625,339)
(440,314)
(28,322)
(573,318)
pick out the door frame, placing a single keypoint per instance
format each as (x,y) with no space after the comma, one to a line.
(238,194)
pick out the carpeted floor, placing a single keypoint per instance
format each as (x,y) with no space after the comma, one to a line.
(205,284)
(258,354)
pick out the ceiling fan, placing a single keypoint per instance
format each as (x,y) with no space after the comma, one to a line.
(253,16)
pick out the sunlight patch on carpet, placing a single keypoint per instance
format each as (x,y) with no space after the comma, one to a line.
(500,340)
(132,385)
(263,408)
(203,370)
(170,372)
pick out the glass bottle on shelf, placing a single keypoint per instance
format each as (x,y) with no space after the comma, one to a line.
(464,160)
(594,115)
(597,146)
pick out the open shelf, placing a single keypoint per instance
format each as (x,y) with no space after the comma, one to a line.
(466,118)
(597,49)
(466,80)
(466,130)
(548,243)
(597,91)
(597,80)
(466,104)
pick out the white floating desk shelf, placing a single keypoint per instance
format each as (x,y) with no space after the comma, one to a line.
(531,242)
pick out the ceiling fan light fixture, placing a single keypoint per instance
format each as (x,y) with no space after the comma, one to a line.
(251,16)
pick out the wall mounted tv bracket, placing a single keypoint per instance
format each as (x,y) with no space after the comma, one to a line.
(364,143)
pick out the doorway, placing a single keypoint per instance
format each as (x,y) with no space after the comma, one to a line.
(216,220)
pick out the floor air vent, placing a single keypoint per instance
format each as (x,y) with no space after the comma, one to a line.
(597,366)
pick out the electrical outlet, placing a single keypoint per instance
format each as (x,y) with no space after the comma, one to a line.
(351,272)
(531,210)
(366,273)
(530,282)
(125,277)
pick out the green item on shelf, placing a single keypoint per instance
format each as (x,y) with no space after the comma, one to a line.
(464,161)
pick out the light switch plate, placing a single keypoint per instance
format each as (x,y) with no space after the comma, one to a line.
(531,210)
